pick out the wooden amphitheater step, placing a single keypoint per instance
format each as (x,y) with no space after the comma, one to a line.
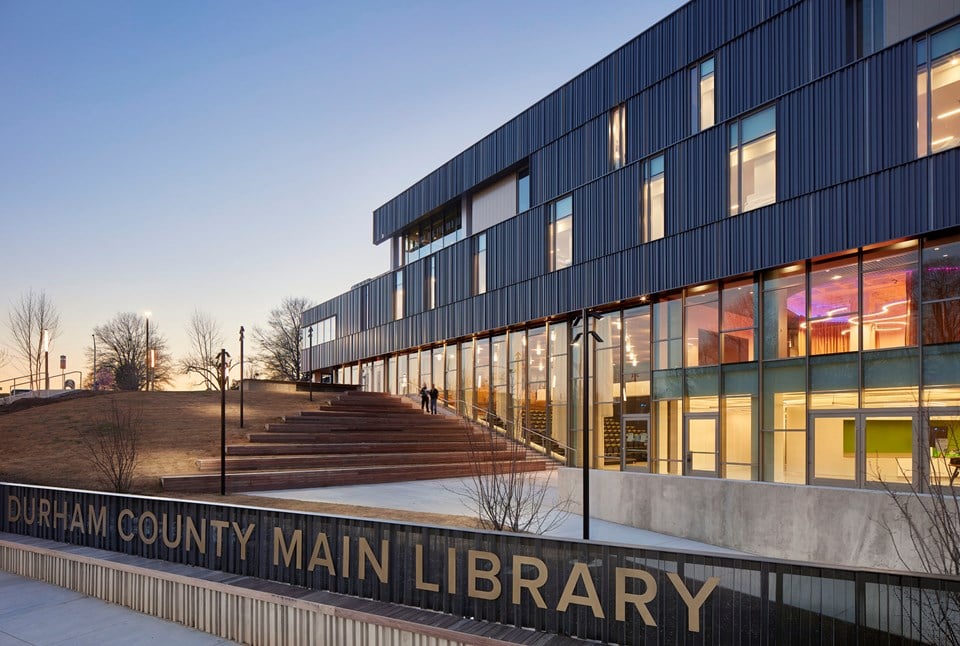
(277,448)
(266,480)
(321,437)
(274,462)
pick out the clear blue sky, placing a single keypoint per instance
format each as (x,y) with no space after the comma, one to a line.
(172,155)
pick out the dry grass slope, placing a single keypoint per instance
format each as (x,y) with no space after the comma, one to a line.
(41,445)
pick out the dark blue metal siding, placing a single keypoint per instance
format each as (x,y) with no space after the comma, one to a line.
(846,176)
(664,51)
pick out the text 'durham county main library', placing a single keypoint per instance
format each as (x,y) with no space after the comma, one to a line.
(757,206)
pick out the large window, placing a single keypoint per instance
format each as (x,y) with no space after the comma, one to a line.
(834,306)
(938,92)
(560,234)
(322,331)
(480,264)
(652,205)
(432,233)
(890,295)
(941,291)
(618,136)
(753,161)
(702,86)
(398,296)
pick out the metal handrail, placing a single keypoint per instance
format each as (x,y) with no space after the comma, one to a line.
(29,379)
(525,432)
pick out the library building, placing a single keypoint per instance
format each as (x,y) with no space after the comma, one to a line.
(726,257)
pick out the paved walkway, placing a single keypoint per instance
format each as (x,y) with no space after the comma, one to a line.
(447,497)
(32,612)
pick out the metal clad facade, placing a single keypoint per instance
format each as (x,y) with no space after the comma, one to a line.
(847,176)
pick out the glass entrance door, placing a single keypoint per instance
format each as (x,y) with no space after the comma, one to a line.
(862,448)
(635,443)
(700,443)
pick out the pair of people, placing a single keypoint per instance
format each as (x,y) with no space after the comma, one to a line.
(428,399)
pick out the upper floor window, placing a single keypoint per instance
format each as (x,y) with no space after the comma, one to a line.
(398,296)
(617,131)
(864,27)
(938,91)
(523,190)
(432,234)
(480,264)
(753,161)
(430,293)
(320,332)
(560,234)
(652,207)
(702,86)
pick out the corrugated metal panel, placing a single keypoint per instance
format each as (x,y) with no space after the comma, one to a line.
(664,50)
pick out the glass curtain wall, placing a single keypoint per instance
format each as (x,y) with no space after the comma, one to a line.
(499,407)
(449,392)
(516,378)
(535,415)
(557,388)
(605,369)
(468,399)
(851,347)
(481,377)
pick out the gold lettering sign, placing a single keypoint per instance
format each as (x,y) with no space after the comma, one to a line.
(533,585)
(380,566)
(280,547)
(474,574)
(419,583)
(124,513)
(220,525)
(580,572)
(693,603)
(316,558)
(639,601)
(243,537)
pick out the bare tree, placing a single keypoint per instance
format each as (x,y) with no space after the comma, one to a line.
(929,507)
(205,340)
(29,316)
(508,488)
(280,341)
(113,445)
(122,350)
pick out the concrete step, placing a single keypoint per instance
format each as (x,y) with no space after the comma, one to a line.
(336,437)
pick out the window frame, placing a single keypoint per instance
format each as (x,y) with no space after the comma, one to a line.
(645,202)
(698,76)
(552,233)
(617,137)
(480,264)
(735,132)
(398,295)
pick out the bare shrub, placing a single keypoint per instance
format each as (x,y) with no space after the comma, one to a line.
(929,508)
(506,494)
(113,445)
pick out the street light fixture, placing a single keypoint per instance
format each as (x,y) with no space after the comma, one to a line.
(94,336)
(146,316)
(310,361)
(585,316)
(45,342)
(223,356)
(241,376)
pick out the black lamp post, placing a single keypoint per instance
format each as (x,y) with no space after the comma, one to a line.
(223,420)
(241,376)
(45,341)
(146,316)
(94,361)
(310,361)
(586,334)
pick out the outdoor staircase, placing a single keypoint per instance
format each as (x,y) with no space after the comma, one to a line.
(360,438)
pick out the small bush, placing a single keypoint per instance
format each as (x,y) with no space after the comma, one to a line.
(113,444)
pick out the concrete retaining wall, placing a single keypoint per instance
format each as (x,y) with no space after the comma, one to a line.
(804,523)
